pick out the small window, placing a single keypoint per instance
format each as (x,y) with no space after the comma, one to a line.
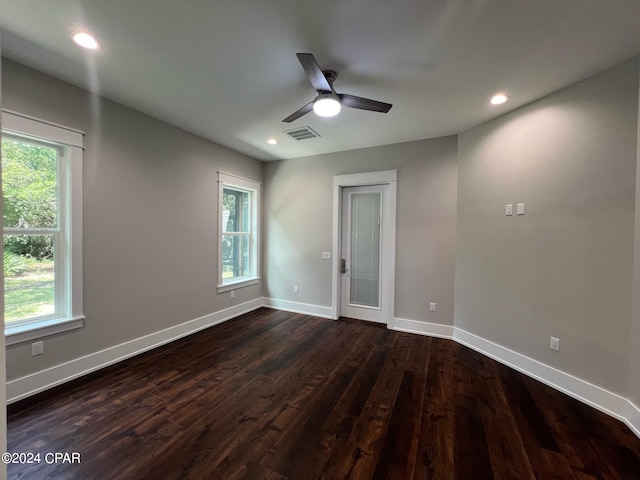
(41,169)
(238,242)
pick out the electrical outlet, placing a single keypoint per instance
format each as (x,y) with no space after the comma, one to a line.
(233,293)
(296,289)
(37,348)
(554,343)
(433,307)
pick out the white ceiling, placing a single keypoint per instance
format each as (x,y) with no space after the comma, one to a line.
(227,70)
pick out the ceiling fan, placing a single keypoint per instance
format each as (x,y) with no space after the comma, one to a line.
(328,102)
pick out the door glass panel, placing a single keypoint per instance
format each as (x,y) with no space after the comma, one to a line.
(365,249)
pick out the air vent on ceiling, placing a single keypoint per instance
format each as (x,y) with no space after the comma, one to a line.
(302,133)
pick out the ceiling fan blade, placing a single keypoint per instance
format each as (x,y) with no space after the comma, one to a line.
(316,77)
(303,111)
(364,103)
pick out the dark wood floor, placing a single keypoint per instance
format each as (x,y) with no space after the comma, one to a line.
(276,395)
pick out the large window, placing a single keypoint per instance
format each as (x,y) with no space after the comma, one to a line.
(41,184)
(238,243)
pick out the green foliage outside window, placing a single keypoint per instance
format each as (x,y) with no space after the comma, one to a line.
(29,182)
(30,196)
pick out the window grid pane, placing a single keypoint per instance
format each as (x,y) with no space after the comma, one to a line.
(30,184)
(235,256)
(30,276)
(235,210)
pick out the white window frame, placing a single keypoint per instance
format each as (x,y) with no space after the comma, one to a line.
(68,294)
(226,180)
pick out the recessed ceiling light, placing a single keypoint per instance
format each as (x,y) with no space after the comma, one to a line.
(86,41)
(499,98)
(272,141)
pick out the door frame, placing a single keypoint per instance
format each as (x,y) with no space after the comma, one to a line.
(388,177)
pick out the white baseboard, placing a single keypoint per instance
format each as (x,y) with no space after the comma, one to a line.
(423,328)
(633,418)
(597,397)
(28,385)
(297,307)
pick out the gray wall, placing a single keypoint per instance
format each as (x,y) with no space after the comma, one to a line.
(298,228)
(634,337)
(565,268)
(150,219)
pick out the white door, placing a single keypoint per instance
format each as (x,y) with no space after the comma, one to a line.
(364,211)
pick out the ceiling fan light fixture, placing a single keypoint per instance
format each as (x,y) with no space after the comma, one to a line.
(86,40)
(499,99)
(326,106)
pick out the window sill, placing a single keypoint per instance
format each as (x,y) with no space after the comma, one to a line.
(24,333)
(238,284)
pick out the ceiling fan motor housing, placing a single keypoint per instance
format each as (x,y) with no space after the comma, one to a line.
(330,75)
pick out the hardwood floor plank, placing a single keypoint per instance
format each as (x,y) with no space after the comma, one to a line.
(358,457)
(201,448)
(435,457)
(339,423)
(550,464)
(286,454)
(471,458)
(398,457)
(526,410)
(504,443)
(400,445)
(303,389)
(232,373)
(282,396)
(304,433)
(573,438)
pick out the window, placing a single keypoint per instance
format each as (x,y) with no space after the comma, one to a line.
(42,216)
(238,240)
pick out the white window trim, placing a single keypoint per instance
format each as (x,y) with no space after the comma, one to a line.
(71,309)
(233,181)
